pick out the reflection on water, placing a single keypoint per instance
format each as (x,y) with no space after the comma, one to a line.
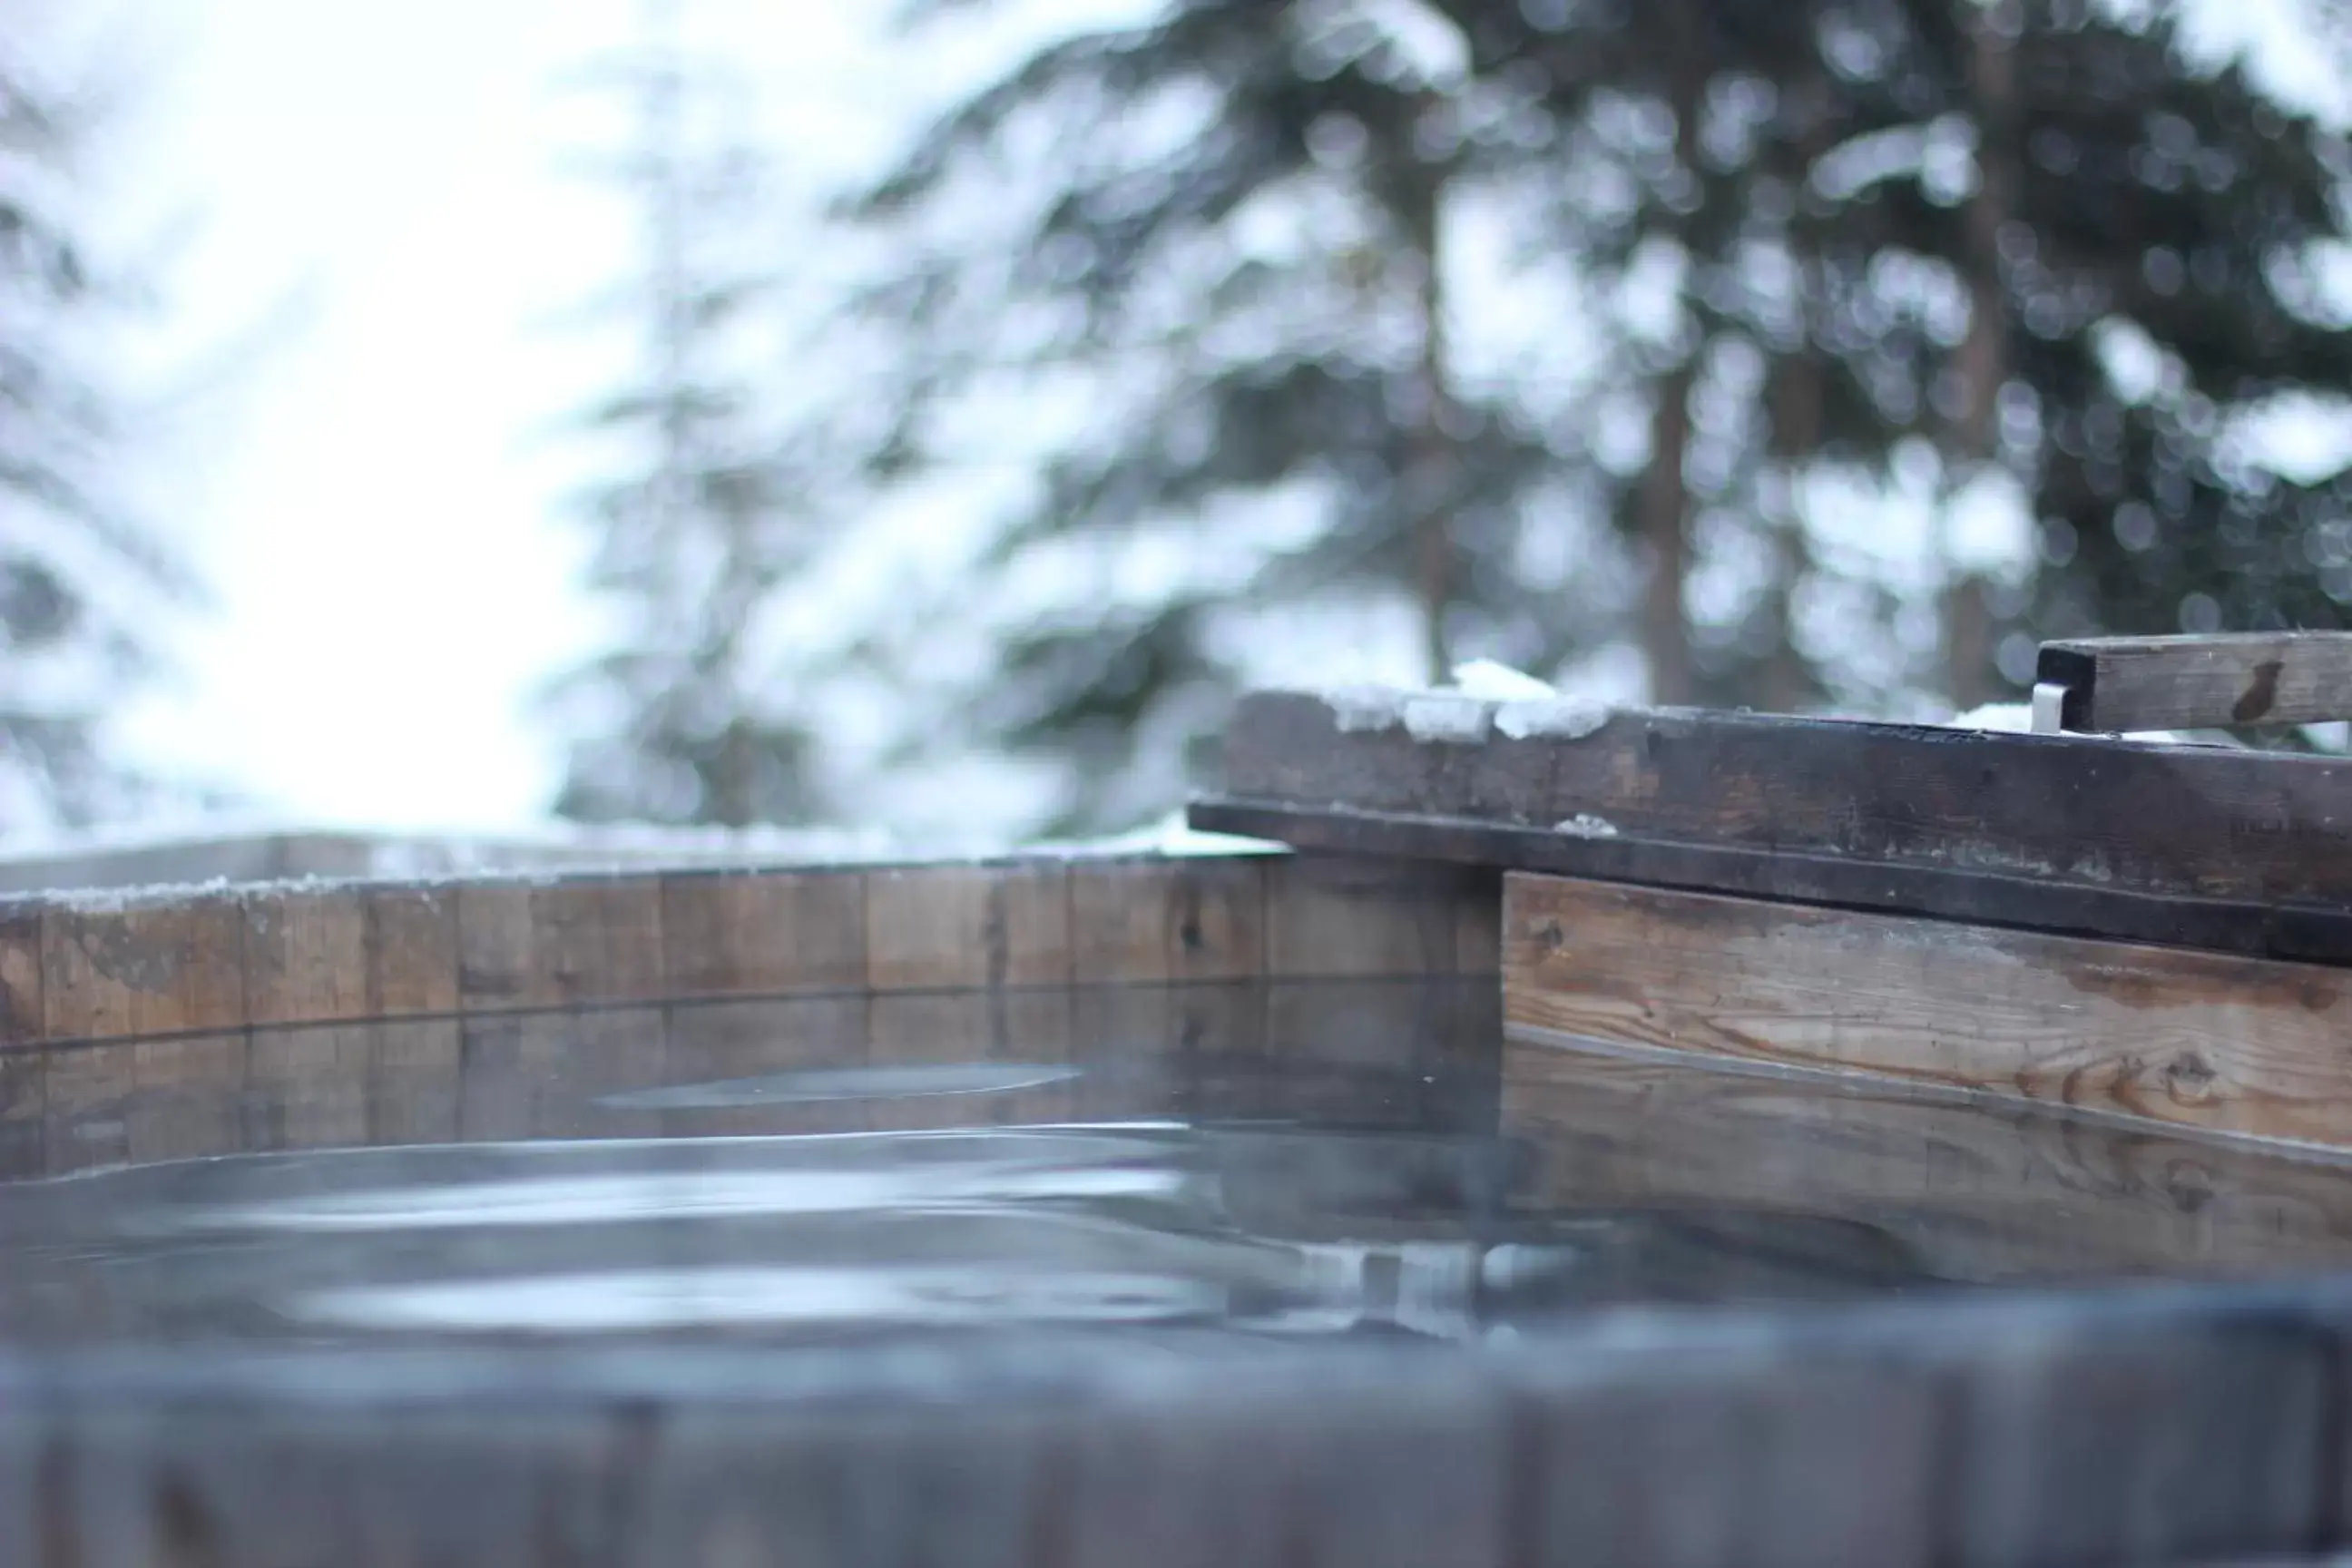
(863,1083)
(1246,1230)
(1321,1160)
(877,1294)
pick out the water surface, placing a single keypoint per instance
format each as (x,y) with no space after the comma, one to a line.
(1284,1162)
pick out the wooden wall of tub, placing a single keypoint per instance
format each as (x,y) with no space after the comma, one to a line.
(179,1023)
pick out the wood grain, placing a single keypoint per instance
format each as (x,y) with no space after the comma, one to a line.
(1147,923)
(277,957)
(767,933)
(1478,927)
(949,927)
(306,956)
(555,944)
(1332,916)
(2200,682)
(21,1023)
(412,950)
(2247,850)
(2206,1040)
(158,969)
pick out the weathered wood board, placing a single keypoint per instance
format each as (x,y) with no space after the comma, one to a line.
(2200,682)
(2199,846)
(2014,1435)
(199,962)
(2211,1041)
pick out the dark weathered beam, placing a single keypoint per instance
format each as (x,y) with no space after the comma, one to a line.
(2117,684)
(2313,935)
(2191,846)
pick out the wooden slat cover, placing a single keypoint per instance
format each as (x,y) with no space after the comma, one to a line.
(2203,1040)
(2200,682)
(2198,846)
(208,961)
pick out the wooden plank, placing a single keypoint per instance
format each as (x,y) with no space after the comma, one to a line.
(20,975)
(2206,846)
(148,969)
(412,950)
(764,934)
(2020,902)
(1334,916)
(558,944)
(1987,1193)
(1147,923)
(306,956)
(2116,684)
(2207,1040)
(950,927)
(1479,929)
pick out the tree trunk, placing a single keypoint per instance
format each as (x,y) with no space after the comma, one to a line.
(1665,501)
(1433,465)
(1983,358)
(1798,412)
(733,778)
(1788,684)
(1663,516)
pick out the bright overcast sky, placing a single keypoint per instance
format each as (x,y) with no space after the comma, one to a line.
(377,509)
(376,515)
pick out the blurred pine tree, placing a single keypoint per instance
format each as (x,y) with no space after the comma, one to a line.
(706,513)
(2025,261)
(82,580)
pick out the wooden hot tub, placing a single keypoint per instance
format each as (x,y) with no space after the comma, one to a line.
(1467,1187)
